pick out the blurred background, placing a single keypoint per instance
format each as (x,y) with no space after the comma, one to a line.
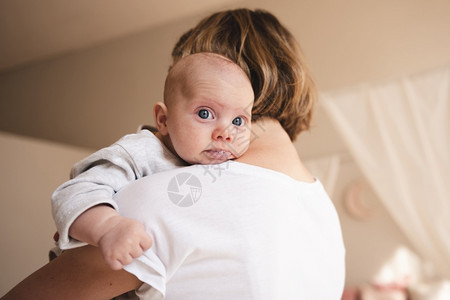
(75,76)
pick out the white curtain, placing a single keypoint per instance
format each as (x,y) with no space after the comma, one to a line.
(398,133)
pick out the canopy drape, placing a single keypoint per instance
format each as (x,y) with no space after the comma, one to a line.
(398,133)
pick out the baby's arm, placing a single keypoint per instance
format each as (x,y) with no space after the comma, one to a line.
(87,200)
(94,182)
(120,239)
(83,207)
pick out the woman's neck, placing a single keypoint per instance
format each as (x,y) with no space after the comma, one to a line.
(271,148)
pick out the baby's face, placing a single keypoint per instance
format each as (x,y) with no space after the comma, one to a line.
(209,120)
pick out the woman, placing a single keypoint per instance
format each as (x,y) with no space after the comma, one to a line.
(277,197)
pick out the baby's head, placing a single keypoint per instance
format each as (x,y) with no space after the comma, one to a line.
(206,114)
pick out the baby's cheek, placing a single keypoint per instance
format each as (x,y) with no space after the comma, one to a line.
(242,141)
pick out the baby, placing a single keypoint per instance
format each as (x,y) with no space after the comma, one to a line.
(205,119)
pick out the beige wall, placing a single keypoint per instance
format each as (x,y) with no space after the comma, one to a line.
(30,171)
(91,97)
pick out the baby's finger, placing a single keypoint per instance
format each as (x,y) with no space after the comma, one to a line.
(146,243)
(115,264)
(127,259)
(135,253)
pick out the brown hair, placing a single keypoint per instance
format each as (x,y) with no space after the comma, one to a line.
(268,54)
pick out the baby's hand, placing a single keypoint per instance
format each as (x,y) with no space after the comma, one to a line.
(124,240)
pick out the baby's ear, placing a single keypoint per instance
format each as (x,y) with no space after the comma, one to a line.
(160,115)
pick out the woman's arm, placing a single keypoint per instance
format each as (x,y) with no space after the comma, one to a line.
(79,273)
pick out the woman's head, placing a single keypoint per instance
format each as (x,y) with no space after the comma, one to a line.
(269,55)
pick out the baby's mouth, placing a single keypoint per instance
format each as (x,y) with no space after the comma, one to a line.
(218,155)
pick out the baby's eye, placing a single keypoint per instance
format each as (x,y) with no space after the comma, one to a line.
(204,114)
(238,121)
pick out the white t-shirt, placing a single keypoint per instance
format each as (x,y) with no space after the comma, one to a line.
(235,231)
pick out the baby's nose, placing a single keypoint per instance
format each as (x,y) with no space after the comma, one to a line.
(222,133)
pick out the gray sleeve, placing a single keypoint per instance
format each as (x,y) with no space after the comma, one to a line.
(94,180)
